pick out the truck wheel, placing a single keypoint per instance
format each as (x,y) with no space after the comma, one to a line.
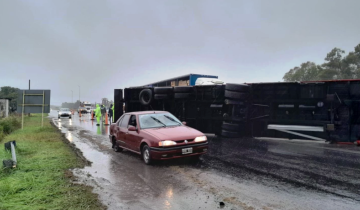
(161,96)
(237,87)
(181,95)
(231,126)
(229,102)
(145,97)
(183,89)
(235,95)
(230,134)
(235,118)
(146,155)
(163,90)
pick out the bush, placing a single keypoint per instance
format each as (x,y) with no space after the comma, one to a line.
(2,135)
(9,125)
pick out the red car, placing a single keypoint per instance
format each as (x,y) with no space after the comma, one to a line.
(156,135)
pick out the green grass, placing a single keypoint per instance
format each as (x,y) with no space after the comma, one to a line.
(41,179)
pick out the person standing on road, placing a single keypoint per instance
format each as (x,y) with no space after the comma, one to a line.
(113,112)
(97,114)
(110,114)
(103,112)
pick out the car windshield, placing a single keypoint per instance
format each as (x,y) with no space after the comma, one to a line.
(64,109)
(158,120)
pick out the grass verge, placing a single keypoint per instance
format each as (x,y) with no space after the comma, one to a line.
(41,179)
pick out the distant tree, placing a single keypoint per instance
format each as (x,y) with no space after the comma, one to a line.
(10,93)
(306,72)
(337,66)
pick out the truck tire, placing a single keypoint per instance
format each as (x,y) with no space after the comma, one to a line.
(161,96)
(237,87)
(235,118)
(231,126)
(235,95)
(229,134)
(181,95)
(233,102)
(163,90)
(145,97)
(183,89)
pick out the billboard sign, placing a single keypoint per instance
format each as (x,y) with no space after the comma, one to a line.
(33,101)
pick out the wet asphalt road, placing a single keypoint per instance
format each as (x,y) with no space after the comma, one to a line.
(242,173)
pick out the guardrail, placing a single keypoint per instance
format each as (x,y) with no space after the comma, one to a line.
(10,163)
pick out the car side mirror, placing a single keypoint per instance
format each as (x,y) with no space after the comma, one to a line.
(132,128)
(184,123)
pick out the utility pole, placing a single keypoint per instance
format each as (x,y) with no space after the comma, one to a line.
(79,93)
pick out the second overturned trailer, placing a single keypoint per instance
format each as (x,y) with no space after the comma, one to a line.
(321,110)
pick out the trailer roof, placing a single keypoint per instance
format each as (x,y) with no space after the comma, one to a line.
(181,77)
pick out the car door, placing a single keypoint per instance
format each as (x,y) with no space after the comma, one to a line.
(121,137)
(133,137)
(116,129)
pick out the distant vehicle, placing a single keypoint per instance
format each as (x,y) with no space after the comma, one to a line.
(208,81)
(87,106)
(156,135)
(64,112)
(82,110)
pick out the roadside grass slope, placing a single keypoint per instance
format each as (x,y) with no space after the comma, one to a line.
(41,179)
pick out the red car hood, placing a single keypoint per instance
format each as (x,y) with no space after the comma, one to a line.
(173,133)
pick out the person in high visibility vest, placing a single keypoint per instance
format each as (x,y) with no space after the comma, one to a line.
(98,114)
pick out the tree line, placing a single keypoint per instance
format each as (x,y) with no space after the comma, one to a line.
(10,93)
(337,66)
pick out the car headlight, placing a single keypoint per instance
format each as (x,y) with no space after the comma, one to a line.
(200,139)
(167,143)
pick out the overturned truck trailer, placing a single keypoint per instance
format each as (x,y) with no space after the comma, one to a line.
(322,110)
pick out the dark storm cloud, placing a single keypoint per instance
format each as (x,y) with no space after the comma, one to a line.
(102,45)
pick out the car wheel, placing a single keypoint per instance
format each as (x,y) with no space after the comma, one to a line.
(146,155)
(117,148)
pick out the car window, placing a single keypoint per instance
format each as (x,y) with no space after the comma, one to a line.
(64,109)
(132,121)
(125,121)
(158,120)
(119,120)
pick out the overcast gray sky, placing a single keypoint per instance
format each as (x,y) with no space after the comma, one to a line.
(104,45)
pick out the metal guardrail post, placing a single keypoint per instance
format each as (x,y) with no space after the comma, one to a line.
(13,154)
(11,163)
